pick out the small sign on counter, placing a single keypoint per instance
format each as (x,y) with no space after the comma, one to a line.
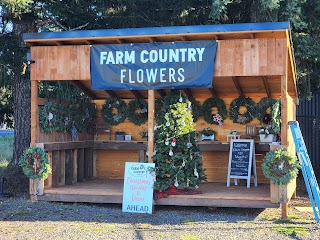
(138,187)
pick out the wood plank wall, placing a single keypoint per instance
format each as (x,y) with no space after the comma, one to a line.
(240,57)
(69,166)
(110,164)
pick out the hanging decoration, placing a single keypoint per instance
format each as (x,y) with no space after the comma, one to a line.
(107,111)
(221,114)
(35,164)
(261,110)
(140,105)
(234,110)
(276,117)
(48,118)
(280,166)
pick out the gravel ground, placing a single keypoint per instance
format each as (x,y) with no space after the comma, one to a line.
(22,219)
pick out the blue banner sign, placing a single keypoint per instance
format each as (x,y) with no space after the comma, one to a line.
(307,169)
(144,66)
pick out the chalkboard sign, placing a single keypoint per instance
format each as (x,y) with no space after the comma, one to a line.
(242,160)
(138,187)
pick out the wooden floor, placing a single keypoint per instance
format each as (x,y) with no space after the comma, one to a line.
(213,194)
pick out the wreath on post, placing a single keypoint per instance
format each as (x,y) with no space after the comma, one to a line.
(35,163)
(48,118)
(141,116)
(114,118)
(207,110)
(262,106)
(234,110)
(280,166)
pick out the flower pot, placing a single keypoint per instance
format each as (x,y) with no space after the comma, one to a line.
(206,138)
(268,138)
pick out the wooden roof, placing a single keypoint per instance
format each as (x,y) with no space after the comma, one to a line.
(223,85)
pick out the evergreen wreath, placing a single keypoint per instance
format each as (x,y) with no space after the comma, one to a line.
(234,110)
(140,117)
(262,106)
(48,118)
(114,118)
(276,117)
(35,164)
(280,167)
(207,108)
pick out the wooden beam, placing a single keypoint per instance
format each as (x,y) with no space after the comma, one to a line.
(265,83)
(84,89)
(120,41)
(59,43)
(185,38)
(162,93)
(136,93)
(187,92)
(152,39)
(34,113)
(89,42)
(236,83)
(150,124)
(111,93)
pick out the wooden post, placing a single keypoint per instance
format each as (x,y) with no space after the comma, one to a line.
(34,112)
(284,133)
(150,124)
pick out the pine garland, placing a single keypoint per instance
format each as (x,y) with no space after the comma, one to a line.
(195,108)
(65,117)
(35,163)
(262,106)
(207,108)
(114,118)
(280,167)
(142,116)
(234,110)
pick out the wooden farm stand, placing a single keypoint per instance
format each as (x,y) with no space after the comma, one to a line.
(253,60)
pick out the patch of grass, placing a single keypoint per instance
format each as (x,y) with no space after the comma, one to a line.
(283,221)
(292,230)
(6,146)
(143,226)
(267,218)
(48,228)
(292,216)
(110,226)
(100,215)
(19,213)
(188,221)
(3,164)
(189,238)
(83,226)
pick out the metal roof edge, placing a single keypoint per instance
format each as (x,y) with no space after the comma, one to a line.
(127,32)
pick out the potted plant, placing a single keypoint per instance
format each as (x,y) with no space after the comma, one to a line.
(144,134)
(207,134)
(267,134)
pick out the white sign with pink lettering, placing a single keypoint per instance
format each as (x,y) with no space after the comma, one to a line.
(138,187)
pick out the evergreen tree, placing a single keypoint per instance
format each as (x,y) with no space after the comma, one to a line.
(177,154)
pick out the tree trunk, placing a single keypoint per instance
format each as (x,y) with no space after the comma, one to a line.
(21,92)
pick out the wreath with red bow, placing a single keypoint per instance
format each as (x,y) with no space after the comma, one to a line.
(35,163)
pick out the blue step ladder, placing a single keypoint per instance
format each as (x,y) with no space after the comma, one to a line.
(307,170)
